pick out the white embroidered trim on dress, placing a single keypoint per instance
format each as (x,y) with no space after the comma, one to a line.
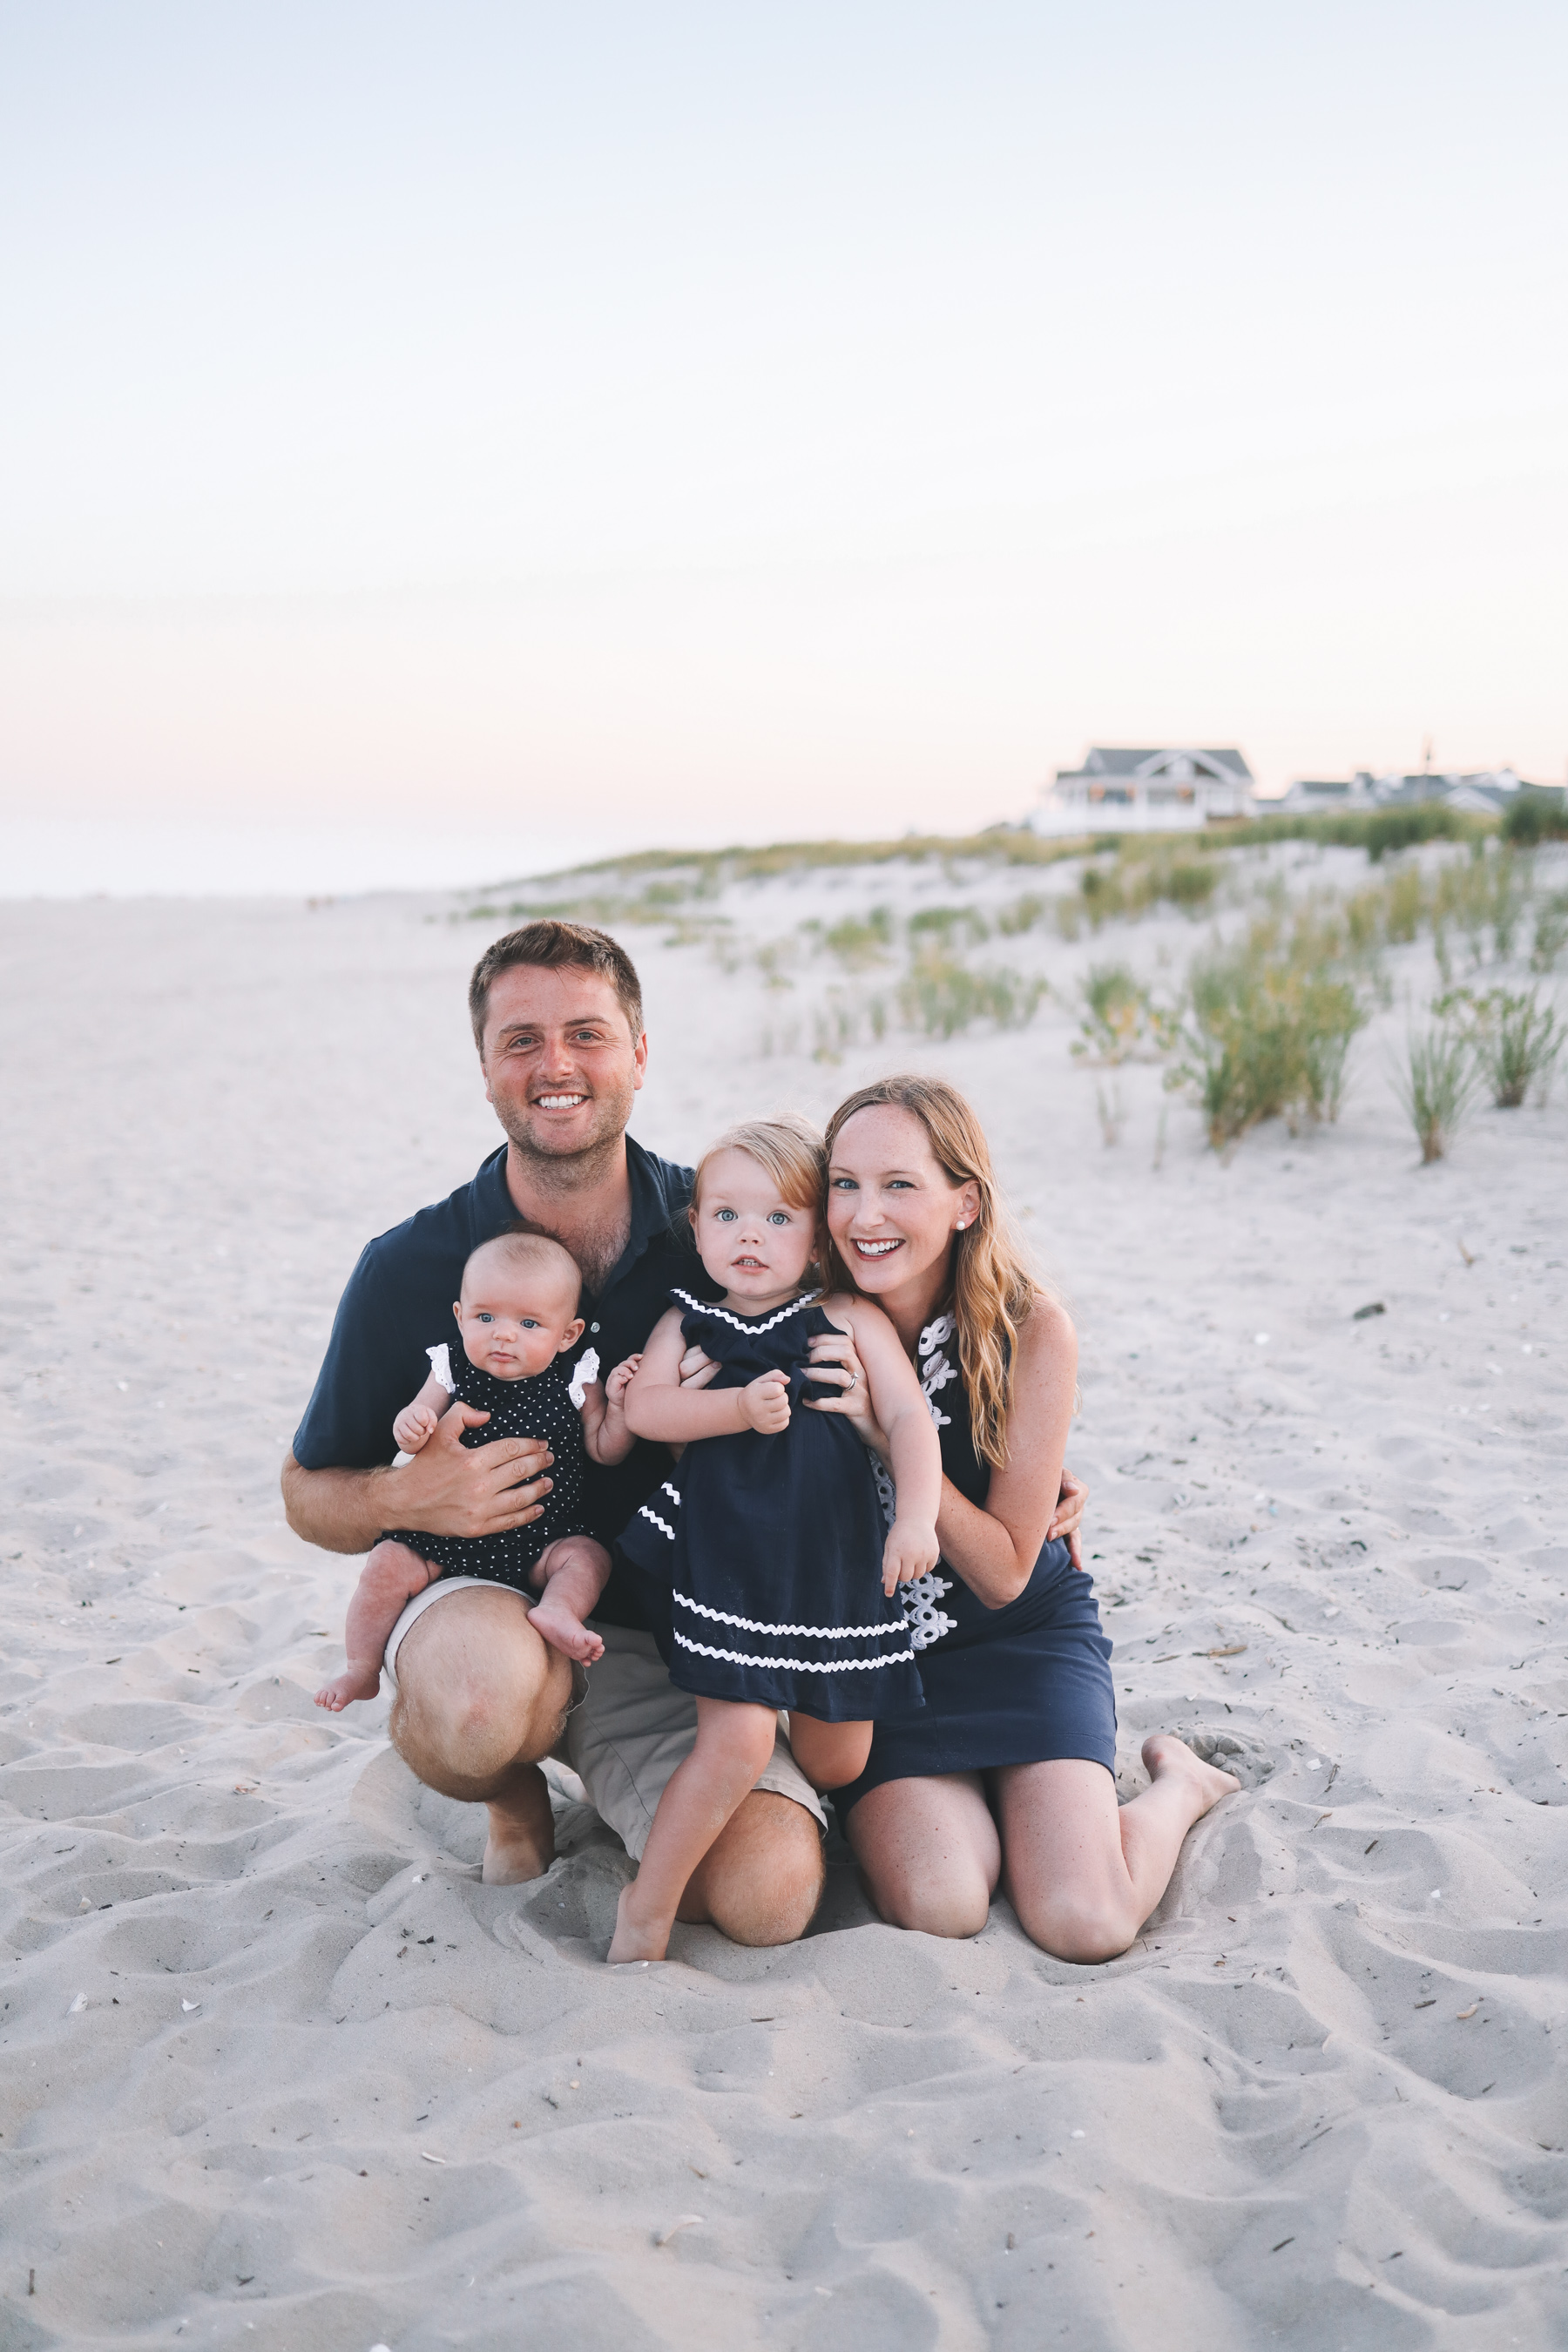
(441,1365)
(806,1633)
(797,1665)
(722,1314)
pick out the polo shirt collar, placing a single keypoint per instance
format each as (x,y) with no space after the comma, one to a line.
(495,1209)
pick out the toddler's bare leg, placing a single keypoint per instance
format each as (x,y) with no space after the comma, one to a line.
(733,1745)
(831,1755)
(574,1573)
(388,1583)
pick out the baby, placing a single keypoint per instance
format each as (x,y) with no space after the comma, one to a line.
(518,1320)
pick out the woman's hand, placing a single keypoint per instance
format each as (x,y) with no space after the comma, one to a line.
(1068,1517)
(835,1364)
(695,1369)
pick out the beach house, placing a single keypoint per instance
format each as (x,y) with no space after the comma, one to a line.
(1121,790)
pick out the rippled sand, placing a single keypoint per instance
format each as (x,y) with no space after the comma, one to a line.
(279,2071)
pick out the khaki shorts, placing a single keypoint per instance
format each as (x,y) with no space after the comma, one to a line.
(633,1728)
(626,1737)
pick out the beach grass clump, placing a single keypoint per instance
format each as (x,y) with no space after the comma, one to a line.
(1534,815)
(1436,1084)
(1269,1030)
(861,940)
(1121,1018)
(1515,1038)
(1484,894)
(941,995)
(950,926)
(1021,914)
(1550,933)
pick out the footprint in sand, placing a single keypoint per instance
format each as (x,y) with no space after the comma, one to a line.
(1231,1751)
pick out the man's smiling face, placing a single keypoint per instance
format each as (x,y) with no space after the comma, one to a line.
(561,1064)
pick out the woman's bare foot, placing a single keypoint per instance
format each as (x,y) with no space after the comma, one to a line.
(564,1630)
(522,1840)
(631,1940)
(359,1681)
(1167,1758)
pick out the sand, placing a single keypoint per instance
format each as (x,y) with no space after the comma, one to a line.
(279,2071)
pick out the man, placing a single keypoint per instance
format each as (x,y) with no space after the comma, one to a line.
(480,1696)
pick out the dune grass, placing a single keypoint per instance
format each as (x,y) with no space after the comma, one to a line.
(1436,1084)
(1268,1028)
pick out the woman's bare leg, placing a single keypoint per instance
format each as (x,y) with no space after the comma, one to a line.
(1082,1873)
(734,1743)
(930,1852)
(831,1755)
(387,1583)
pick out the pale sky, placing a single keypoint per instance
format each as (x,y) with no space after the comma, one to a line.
(637,424)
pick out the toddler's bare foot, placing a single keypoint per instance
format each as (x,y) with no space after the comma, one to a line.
(631,1940)
(360,1682)
(563,1631)
(1166,1756)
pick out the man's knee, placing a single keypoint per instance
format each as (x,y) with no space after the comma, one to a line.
(762,1881)
(470,1708)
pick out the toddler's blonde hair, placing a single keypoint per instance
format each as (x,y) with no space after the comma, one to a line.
(788,1146)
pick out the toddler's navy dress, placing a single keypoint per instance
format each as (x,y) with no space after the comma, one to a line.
(770,1549)
(540,1406)
(1024,1683)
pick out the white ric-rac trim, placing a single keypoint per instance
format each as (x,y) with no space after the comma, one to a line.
(722,1314)
(804,1632)
(662,1525)
(797,1666)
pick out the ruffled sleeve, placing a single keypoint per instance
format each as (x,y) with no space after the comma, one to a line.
(441,1365)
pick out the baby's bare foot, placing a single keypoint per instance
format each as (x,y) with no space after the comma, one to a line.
(631,1940)
(360,1682)
(566,1631)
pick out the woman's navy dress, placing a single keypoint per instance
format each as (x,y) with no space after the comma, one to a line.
(770,1549)
(1025,1683)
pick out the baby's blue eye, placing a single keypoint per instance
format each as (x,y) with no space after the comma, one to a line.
(529,1323)
(725,1216)
(777,1217)
(487,1318)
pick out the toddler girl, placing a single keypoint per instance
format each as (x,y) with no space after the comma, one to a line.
(518,1320)
(769,1532)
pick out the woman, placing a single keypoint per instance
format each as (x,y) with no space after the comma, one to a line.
(1007,1775)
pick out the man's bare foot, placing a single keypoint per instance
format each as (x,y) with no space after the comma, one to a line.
(1166,1757)
(563,1631)
(631,1940)
(359,1681)
(522,1840)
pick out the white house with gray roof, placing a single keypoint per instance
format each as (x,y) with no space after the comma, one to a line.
(1120,790)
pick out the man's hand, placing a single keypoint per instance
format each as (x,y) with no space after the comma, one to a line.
(765,1404)
(910,1552)
(453,1489)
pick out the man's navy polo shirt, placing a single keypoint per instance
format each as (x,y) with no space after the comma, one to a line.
(398,1303)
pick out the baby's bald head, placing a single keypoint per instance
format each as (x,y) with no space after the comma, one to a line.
(519,1304)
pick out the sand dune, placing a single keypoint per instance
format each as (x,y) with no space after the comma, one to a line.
(278,2070)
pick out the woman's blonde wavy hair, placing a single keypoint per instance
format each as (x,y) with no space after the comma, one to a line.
(993,1288)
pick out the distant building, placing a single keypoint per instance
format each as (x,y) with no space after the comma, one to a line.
(1485,793)
(1118,789)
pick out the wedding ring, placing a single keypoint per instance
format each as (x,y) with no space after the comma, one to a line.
(854,1383)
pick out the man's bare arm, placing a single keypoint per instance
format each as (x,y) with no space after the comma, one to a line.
(448,1489)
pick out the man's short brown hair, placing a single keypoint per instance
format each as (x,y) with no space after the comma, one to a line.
(552,945)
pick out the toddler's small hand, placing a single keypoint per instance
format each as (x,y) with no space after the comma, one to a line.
(765,1404)
(414,1427)
(620,1380)
(910,1552)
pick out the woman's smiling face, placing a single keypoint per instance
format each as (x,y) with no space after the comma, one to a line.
(892,1208)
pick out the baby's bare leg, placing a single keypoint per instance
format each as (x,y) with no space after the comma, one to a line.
(388,1583)
(734,1742)
(831,1755)
(574,1573)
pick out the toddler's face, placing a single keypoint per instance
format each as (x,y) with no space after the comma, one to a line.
(755,1243)
(514,1321)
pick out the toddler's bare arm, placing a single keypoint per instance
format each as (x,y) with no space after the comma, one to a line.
(605,1430)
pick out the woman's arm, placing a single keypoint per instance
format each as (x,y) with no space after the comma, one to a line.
(994,1549)
(900,1410)
(658,1406)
